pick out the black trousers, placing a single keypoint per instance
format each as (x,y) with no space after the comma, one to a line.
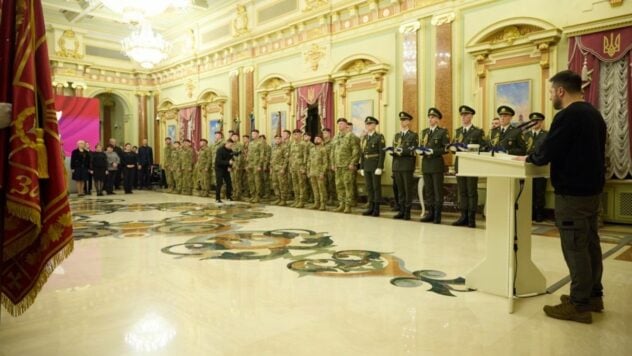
(117,178)
(404,181)
(128,179)
(576,218)
(468,193)
(144,176)
(433,190)
(223,176)
(373,186)
(539,192)
(109,181)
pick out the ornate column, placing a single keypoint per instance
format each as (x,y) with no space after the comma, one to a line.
(157,140)
(142,115)
(108,106)
(59,87)
(378,78)
(443,70)
(264,105)
(234,94)
(341,85)
(410,79)
(79,88)
(250,97)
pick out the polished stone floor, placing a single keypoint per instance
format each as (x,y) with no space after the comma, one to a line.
(163,274)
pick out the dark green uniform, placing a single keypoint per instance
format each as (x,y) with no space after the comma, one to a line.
(509,139)
(371,159)
(432,169)
(533,141)
(467,186)
(404,161)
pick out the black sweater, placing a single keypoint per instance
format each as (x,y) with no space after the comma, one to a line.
(223,157)
(575,147)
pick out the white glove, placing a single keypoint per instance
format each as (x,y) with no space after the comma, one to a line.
(361,172)
(378,172)
(420,151)
(399,150)
(5,115)
(429,151)
(462,149)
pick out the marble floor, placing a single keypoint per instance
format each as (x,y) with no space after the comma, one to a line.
(162,274)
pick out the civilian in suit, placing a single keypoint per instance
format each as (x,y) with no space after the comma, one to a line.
(145,162)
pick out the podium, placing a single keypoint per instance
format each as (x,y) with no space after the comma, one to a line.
(507,269)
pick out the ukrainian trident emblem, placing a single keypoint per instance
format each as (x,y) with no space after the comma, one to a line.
(611,45)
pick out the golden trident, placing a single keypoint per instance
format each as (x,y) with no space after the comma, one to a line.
(612,45)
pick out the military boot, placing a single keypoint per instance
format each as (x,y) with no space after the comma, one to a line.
(471,218)
(429,216)
(323,205)
(369,210)
(463,219)
(340,208)
(300,204)
(437,216)
(314,206)
(407,213)
(376,210)
(281,202)
(347,209)
(400,214)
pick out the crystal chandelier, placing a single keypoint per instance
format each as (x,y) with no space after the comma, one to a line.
(135,11)
(145,47)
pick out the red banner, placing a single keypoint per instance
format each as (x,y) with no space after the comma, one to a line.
(37,232)
(607,46)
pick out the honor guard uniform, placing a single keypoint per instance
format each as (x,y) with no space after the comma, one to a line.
(435,140)
(404,160)
(534,139)
(372,164)
(505,137)
(467,187)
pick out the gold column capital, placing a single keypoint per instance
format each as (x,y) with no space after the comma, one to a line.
(443,19)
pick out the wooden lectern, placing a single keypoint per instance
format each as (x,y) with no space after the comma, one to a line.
(504,271)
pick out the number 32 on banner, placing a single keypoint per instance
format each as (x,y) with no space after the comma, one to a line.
(25,187)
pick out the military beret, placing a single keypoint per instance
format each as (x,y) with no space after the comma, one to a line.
(342,119)
(371,120)
(505,110)
(435,112)
(464,109)
(405,116)
(536,116)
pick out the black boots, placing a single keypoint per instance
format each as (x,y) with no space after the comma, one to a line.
(376,210)
(369,211)
(471,218)
(400,214)
(407,213)
(437,216)
(463,219)
(429,215)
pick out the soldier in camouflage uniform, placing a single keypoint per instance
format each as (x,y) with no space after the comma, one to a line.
(318,167)
(372,164)
(346,156)
(203,168)
(436,139)
(166,164)
(265,173)
(467,187)
(506,137)
(329,177)
(298,165)
(186,164)
(307,142)
(354,191)
(254,165)
(236,173)
(244,161)
(176,168)
(279,169)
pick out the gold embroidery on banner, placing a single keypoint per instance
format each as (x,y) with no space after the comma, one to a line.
(612,45)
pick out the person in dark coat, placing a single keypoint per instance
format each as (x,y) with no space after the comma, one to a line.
(223,165)
(129,161)
(145,161)
(80,166)
(99,168)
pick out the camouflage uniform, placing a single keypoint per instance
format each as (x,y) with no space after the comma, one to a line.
(176,169)
(298,164)
(308,145)
(167,166)
(202,170)
(354,191)
(266,179)
(254,165)
(237,172)
(279,172)
(329,177)
(318,167)
(186,162)
(346,154)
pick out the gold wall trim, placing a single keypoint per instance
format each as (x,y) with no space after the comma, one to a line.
(598,25)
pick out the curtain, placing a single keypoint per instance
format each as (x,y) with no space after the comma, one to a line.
(190,123)
(322,94)
(603,59)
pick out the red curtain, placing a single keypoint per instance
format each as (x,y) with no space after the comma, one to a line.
(587,51)
(323,94)
(190,122)
(37,230)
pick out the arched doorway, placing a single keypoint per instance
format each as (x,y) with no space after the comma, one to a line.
(114,111)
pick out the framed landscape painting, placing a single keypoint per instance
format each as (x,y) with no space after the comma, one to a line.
(517,95)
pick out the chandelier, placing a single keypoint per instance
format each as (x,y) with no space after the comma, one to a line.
(145,47)
(135,11)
